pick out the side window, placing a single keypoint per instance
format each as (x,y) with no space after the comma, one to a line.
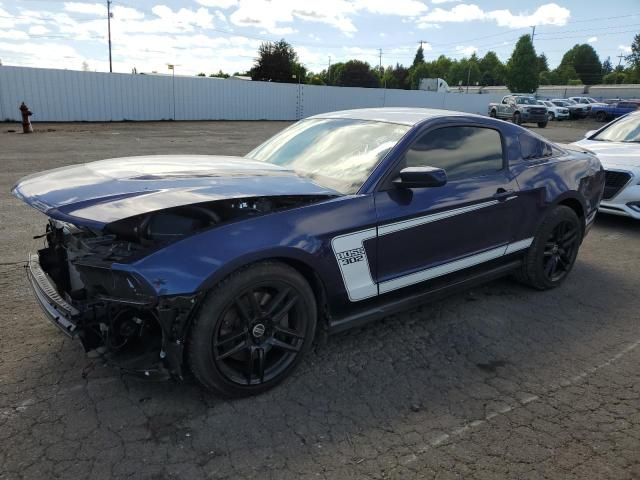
(463,152)
(532,148)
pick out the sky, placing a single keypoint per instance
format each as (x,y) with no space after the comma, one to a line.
(211,35)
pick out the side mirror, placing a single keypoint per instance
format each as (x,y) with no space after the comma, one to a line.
(589,133)
(421,177)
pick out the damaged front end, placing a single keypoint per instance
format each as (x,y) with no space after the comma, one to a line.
(83,282)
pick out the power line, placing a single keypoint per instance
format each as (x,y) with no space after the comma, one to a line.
(109,33)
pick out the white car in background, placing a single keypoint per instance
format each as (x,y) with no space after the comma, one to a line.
(554,111)
(617,145)
(588,101)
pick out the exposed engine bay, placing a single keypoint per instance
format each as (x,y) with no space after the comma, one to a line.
(117,313)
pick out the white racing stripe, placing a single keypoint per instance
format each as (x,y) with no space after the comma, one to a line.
(354,265)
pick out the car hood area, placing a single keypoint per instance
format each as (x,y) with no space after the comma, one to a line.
(95,194)
(614,154)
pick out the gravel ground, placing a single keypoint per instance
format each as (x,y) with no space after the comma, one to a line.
(498,382)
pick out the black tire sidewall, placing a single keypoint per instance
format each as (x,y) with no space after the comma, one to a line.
(199,346)
(533,267)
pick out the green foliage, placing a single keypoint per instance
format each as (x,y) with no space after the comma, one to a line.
(464,72)
(586,62)
(419,72)
(543,64)
(315,80)
(276,62)
(396,77)
(492,70)
(419,58)
(522,67)
(574,81)
(634,57)
(220,74)
(355,73)
(614,78)
(607,67)
(201,74)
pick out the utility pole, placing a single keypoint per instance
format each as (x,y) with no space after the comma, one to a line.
(109,14)
(468,76)
(621,56)
(533,33)
(421,42)
(380,64)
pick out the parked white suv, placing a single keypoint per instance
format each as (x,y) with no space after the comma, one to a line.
(554,111)
(587,101)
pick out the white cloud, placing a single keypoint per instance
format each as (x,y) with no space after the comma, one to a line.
(218,3)
(13,35)
(221,16)
(548,14)
(86,8)
(271,14)
(427,26)
(436,2)
(397,7)
(625,48)
(38,30)
(466,50)
(592,39)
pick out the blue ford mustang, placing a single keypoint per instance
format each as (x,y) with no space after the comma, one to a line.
(229,266)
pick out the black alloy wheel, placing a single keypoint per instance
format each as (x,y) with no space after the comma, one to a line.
(260,334)
(252,330)
(553,251)
(559,250)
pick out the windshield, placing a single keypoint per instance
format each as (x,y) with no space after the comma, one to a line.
(627,129)
(526,101)
(336,153)
(592,100)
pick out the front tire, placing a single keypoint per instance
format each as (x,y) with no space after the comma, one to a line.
(601,116)
(493,114)
(552,116)
(553,251)
(542,124)
(252,330)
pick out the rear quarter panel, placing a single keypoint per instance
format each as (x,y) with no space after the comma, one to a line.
(572,176)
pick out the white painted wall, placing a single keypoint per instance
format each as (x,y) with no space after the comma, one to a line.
(64,96)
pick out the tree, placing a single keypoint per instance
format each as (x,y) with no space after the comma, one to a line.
(201,74)
(492,70)
(396,77)
(634,57)
(419,72)
(276,62)
(419,58)
(613,78)
(220,74)
(522,67)
(464,72)
(584,59)
(543,64)
(607,67)
(355,73)
(440,67)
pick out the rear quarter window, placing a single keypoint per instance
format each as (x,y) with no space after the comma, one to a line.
(532,148)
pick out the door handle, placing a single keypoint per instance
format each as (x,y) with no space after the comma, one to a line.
(502,194)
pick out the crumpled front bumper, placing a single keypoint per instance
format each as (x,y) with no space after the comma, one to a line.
(57,310)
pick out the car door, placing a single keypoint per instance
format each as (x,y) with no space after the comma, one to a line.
(424,233)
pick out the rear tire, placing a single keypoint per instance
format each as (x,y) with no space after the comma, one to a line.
(601,116)
(542,124)
(493,114)
(252,330)
(554,250)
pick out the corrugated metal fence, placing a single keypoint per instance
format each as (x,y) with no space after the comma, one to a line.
(64,96)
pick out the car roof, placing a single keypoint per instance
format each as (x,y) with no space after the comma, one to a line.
(401,115)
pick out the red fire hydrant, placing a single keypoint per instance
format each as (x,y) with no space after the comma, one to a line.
(26,121)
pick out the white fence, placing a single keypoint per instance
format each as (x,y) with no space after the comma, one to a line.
(64,96)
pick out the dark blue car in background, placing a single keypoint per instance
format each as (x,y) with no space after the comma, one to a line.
(228,266)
